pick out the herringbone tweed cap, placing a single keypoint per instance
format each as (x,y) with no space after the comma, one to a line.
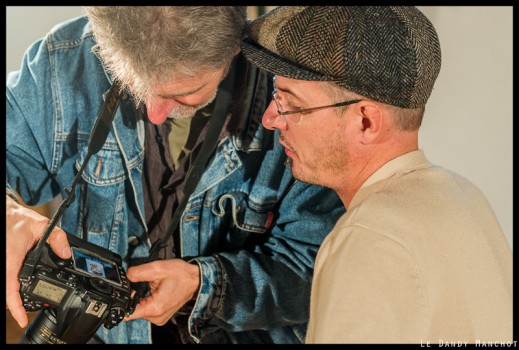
(388,53)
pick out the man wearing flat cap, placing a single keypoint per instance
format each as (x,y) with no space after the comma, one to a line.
(419,256)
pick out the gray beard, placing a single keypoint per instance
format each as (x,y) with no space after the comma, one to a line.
(186,112)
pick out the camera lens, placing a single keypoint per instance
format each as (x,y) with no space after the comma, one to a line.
(42,330)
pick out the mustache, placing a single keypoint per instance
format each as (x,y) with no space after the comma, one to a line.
(284,142)
(288,161)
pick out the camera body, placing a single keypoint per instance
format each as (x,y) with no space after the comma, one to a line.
(77,295)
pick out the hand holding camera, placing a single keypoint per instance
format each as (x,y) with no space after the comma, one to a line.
(77,294)
(23,229)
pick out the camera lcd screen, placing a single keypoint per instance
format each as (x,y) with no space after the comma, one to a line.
(49,291)
(95,266)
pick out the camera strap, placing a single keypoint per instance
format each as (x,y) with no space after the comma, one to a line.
(194,173)
(98,136)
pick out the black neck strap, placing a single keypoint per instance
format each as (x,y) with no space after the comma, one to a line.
(194,173)
(98,136)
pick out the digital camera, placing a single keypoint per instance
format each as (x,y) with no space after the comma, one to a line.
(77,295)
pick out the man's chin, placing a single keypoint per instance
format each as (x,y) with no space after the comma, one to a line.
(183,112)
(298,174)
(176,116)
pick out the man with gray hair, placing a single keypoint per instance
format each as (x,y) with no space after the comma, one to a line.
(237,267)
(419,256)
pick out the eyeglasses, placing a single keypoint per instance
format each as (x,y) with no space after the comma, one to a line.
(296,114)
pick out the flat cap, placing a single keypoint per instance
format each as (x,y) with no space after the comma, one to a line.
(390,54)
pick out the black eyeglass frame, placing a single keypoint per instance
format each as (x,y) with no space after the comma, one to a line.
(305,110)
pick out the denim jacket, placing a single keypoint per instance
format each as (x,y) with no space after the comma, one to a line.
(253,229)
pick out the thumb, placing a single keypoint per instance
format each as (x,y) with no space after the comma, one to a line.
(59,243)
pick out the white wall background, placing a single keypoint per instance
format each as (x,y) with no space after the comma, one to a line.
(467,127)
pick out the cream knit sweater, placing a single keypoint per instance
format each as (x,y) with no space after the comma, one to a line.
(419,257)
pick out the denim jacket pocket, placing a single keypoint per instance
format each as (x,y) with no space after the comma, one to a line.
(106,167)
(102,200)
(247,215)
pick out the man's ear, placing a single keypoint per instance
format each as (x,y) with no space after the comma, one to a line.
(372,122)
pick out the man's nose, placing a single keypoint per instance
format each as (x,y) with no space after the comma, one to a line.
(271,119)
(158,109)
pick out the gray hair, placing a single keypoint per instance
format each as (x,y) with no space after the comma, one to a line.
(145,45)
